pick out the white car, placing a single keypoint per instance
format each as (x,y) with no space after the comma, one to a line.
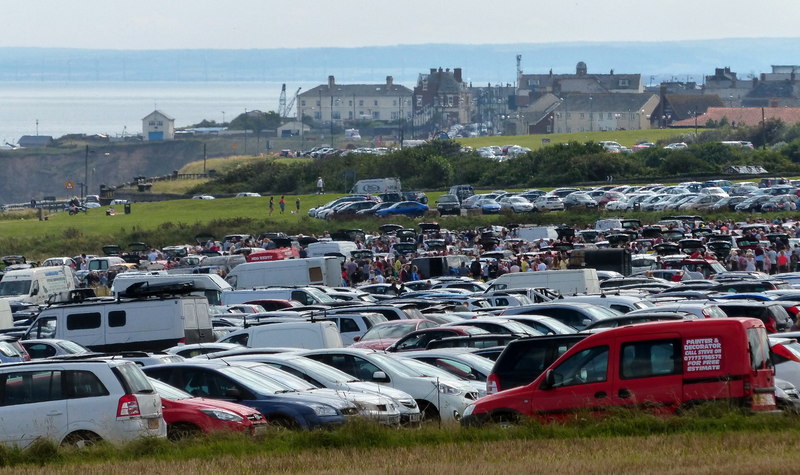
(516,204)
(247,194)
(77,402)
(548,203)
(202,197)
(676,146)
(440,398)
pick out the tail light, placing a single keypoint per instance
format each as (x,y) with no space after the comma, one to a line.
(785,352)
(793,310)
(676,277)
(492,384)
(128,406)
(182,341)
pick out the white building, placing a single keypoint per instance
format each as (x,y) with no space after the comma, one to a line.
(158,126)
(348,102)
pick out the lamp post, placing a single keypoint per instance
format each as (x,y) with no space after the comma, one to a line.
(85,187)
(245,131)
(591,118)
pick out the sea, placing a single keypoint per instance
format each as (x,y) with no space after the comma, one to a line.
(116,108)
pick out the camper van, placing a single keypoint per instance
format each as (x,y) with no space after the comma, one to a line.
(145,324)
(209,286)
(564,281)
(36,284)
(376,185)
(664,367)
(330,248)
(308,271)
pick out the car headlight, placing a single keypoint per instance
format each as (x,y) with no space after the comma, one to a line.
(447,389)
(323,410)
(468,410)
(222,415)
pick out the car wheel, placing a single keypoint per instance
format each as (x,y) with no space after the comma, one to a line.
(283,423)
(180,431)
(506,419)
(429,412)
(80,439)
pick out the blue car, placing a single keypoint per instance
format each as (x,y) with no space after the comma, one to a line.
(404,208)
(242,385)
(488,206)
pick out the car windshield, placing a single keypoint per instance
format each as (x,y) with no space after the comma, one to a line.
(14,287)
(394,365)
(252,380)
(72,347)
(397,330)
(320,296)
(320,370)
(291,381)
(168,392)
(425,369)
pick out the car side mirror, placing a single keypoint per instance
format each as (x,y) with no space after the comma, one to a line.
(380,377)
(549,380)
(586,322)
(233,393)
(356,338)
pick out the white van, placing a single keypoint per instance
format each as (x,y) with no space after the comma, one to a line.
(308,335)
(211,286)
(102,264)
(146,324)
(573,281)
(308,271)
(304,295)
(327,248)
(36,284)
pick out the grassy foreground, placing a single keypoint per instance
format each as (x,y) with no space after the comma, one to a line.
(721,443)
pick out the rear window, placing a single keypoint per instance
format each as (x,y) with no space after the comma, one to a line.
(133,379)
(759,348)
(647,359)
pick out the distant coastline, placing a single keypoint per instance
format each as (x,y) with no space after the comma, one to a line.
(481,63)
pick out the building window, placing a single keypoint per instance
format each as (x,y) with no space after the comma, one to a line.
(583,116)
(361,103)
(608,116)
(350,103)
(318,104)
(151,123)
(450,101)
(623,83)
(533,82)
(337,115)
(160,122)
(395,115)
(350,115)
(376,115)
(318,115)
(419,101)
(394,102)
(375,103)
(569,115)
(302,103)
(425,85)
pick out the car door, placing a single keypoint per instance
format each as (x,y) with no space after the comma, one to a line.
(580,383)
(650,373)
(33,406)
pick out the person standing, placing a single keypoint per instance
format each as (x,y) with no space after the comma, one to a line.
(282,204)
(297,205)
(320,186)
(271,205)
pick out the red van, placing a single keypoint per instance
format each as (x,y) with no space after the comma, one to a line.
(662,366)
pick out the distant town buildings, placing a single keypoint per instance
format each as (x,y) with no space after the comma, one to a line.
(339,102)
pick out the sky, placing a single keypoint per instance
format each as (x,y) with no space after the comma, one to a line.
(267,24)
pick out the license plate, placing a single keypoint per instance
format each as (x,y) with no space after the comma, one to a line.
(764,399)
(259,429)
(153,423)
(415,417)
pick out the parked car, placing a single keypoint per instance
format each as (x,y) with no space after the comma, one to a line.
(579,200)
(548,203)
(437,398)
(403,208)
(77,402)
(664,366)
(448,204)
(516,204)
(46,348)
(487,206)
(218,380)
(186,415)
(419,339)
(384,334)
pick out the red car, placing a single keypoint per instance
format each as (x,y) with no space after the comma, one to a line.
(187,415)
(384,334)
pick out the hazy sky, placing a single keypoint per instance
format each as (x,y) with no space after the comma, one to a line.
(247,24)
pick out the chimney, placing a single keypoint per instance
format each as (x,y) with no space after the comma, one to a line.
(457,74)
(331,82)
(389,81)
(433,71)
(612,72)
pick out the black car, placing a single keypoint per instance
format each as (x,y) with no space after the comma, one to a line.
(448,204)
(774,316)
(418,196)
